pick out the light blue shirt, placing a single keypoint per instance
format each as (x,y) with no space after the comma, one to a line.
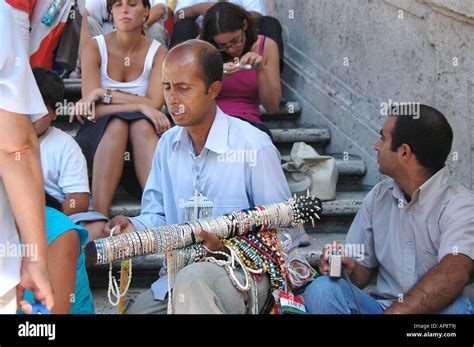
(239,168)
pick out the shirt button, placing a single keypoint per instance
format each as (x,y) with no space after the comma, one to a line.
(408,242)
(408,271)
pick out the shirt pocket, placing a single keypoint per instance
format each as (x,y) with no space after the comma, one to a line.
(431,245)
(428,256)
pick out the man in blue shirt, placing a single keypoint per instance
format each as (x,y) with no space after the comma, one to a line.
(232,163)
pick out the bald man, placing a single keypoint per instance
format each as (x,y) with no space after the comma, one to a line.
(195,154)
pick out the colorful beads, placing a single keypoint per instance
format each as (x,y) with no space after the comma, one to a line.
(262,251)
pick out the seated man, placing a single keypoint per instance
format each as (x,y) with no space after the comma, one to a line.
(417,229)
(189,15)
(197,154)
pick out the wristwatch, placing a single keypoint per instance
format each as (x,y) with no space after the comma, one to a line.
(107,99)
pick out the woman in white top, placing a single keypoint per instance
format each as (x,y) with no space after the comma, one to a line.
(122,96)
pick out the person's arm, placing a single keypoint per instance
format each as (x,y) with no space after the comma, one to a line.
(21,173)
(193,11)
(75,203)
(157,12)
(85,35)
(62,265)
(73,178)
(437,288)
(269,86)
(268,74)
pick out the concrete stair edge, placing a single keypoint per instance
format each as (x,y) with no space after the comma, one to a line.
(346,204)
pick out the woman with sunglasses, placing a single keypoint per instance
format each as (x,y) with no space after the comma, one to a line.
(252,67)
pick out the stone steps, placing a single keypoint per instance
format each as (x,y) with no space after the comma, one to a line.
(335,219)
(351,170)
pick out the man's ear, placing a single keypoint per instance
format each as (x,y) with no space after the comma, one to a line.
(404,152)
(215,89)
(51,113)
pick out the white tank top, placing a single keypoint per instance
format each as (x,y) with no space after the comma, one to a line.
(138,86)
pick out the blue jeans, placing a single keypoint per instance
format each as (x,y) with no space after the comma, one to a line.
(334,296)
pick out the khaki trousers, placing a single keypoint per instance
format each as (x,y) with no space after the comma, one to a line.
(202,288)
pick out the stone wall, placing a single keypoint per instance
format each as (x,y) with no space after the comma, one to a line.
(345,57)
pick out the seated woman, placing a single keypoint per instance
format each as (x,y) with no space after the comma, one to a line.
(122,96)
(231,29)
(66,264)
(96,21)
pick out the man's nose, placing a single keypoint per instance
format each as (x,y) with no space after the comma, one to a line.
(172,99)
(376,145)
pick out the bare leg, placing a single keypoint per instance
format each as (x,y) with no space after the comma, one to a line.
(108,164)
(144,140)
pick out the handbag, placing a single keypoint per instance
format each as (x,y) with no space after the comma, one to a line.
(308,170)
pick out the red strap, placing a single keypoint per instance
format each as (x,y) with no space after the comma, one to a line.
(262,45)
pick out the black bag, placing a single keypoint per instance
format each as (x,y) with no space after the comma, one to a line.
(68,48)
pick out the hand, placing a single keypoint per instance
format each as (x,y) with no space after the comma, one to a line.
(34,277)
(231,68)
(212,242)
(158,118)
(323,265)
(86,106)
(122,226)
(254,59)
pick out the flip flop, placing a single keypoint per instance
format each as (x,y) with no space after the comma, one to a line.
(305,240)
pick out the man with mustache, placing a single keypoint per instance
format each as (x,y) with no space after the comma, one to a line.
(191,155)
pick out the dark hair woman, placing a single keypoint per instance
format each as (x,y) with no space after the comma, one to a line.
(252,67)
(122,99)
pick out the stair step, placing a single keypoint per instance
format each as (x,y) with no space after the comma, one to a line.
(288,111)
(349,167)
(311,135)
(346,205)
(284,137)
